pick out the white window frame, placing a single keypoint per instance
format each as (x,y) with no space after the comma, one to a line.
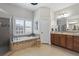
(14,26)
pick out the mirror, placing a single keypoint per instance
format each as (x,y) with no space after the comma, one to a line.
(68,24)
(73,25)
(62,24)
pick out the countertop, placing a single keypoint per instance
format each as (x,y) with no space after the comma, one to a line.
(66,33)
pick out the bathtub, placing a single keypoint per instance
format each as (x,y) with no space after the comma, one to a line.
(19,39)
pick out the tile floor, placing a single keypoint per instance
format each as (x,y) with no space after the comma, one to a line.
(45,50)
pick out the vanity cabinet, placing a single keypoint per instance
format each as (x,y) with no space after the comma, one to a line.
(55,39)
(76,43)
(62,40)
(70,42)
(58,39)
(67,41)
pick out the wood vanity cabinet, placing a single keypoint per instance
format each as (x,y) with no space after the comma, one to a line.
(67,41)
(55,39)
(76,43)
(62,40)
(70,42)
(58,39)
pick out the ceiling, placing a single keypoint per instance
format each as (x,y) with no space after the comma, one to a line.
(54,6)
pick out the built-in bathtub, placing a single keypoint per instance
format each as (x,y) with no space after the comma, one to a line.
(19,39)
(22,42)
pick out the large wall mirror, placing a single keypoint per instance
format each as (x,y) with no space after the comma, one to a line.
(70,16)
(68,24)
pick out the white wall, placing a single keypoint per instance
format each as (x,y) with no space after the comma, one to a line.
(43,15)
(36,19)
(12,10)
(53,20)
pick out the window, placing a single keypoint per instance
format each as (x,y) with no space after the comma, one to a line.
(28,27)
(19,25)
(23,27)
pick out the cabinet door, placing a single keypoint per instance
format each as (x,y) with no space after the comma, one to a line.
(70,42)
(76,43)
(55,39)
(63,40)
(52,38)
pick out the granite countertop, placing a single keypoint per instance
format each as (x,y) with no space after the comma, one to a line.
(66,33)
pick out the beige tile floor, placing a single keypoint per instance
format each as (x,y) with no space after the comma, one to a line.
(45,50)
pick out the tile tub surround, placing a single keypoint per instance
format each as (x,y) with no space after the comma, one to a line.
(25,42)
